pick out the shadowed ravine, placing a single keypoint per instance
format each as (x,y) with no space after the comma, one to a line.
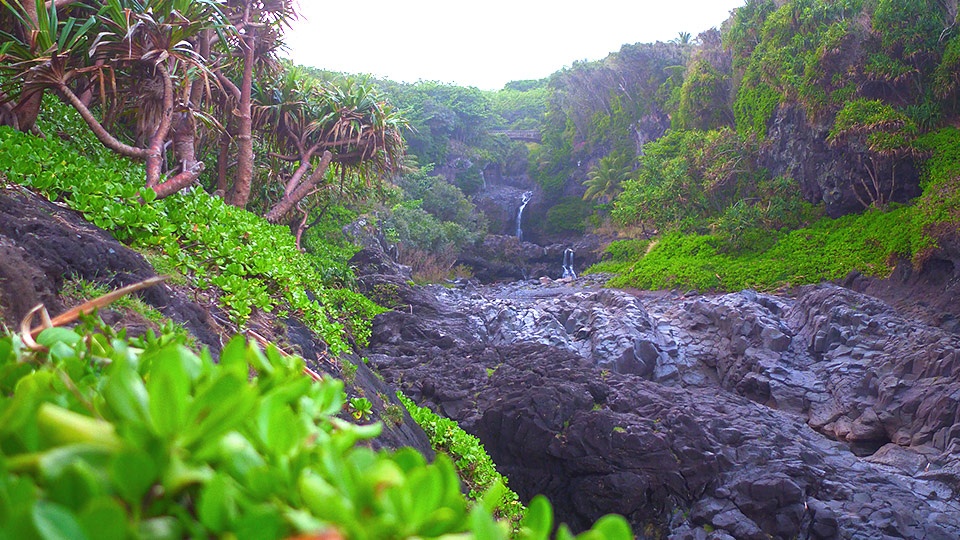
(826,414)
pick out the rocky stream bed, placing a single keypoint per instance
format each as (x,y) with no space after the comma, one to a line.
(825,413)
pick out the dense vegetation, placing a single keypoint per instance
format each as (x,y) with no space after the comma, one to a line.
(878,77)
(104,437)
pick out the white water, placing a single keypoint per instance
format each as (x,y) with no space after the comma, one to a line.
(527,195)
(568,271)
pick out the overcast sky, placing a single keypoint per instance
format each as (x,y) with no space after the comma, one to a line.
(485,44)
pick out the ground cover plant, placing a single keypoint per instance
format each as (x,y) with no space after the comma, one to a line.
(257,266)
(106,437)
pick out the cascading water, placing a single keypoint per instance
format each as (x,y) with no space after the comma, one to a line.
(568,271)
(527,195)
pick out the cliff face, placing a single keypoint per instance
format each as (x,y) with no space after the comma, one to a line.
(841,178)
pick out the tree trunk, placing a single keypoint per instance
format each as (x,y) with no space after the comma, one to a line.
(240,194)
(158,139)
(288,201)
(223,163)
(28,108)
(178,182)
(99,131)
(184,131)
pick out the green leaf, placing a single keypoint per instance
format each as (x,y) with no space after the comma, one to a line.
(104,519)
(148,195)
(220,408)
(54,522)
(613,527)
(483,525)
(56,334)
(217,508)
(168,386)
(538,523)
(126,394)
(133,472)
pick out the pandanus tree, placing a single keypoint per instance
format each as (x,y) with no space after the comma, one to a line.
(259,26)
(325,129)
(39,48)
(141,62)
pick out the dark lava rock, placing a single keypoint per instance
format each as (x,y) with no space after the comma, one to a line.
(42,244)
(827,415)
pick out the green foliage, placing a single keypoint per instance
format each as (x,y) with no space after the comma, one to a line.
(885,129)
(703,98)
(620,255)
(754,108)
(687,179)
(569,215)
(472,461)
(361,407)
(254,264)
(828,249)
(107,438)
(604,181)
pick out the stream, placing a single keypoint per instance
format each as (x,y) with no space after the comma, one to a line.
(821,414)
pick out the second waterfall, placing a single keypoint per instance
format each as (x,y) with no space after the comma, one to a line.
(527,195)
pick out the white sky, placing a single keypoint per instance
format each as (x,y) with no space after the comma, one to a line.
(485,44)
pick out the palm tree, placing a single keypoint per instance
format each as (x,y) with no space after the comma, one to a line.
(604,180)
(41,49)
(142,61)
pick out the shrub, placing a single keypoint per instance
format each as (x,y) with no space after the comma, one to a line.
(106,438)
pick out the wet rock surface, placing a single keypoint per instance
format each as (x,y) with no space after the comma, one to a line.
(824,414)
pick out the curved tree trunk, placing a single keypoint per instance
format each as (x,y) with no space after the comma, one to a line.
(158,139)
(286,204)
(99,131)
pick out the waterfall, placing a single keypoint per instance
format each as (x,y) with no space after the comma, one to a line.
(568,271)
(483,179)
(527,195)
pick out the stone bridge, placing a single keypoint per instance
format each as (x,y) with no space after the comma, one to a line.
(526,135)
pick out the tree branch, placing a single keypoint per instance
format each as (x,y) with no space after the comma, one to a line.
(286,203)
(99,131)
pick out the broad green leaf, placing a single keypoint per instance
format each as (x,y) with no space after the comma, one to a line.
(126,394)
(168,385)
(217,508)
(220,408)
(133,472)
(54,522)
(538,522)
(483,525)
(104,519)
(160,528)
(613,527)
(57,334)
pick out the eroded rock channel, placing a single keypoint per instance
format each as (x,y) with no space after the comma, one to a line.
(824,414)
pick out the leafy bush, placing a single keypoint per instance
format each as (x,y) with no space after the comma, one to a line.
(256,265)
(569,215)
(472,461)
(105,438)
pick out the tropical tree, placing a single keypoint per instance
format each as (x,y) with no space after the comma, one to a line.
(605,179)
(318,125)
(35,54)
(142,61)
(259,26)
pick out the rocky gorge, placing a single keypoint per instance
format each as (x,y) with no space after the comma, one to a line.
(829,411)
(824,412)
